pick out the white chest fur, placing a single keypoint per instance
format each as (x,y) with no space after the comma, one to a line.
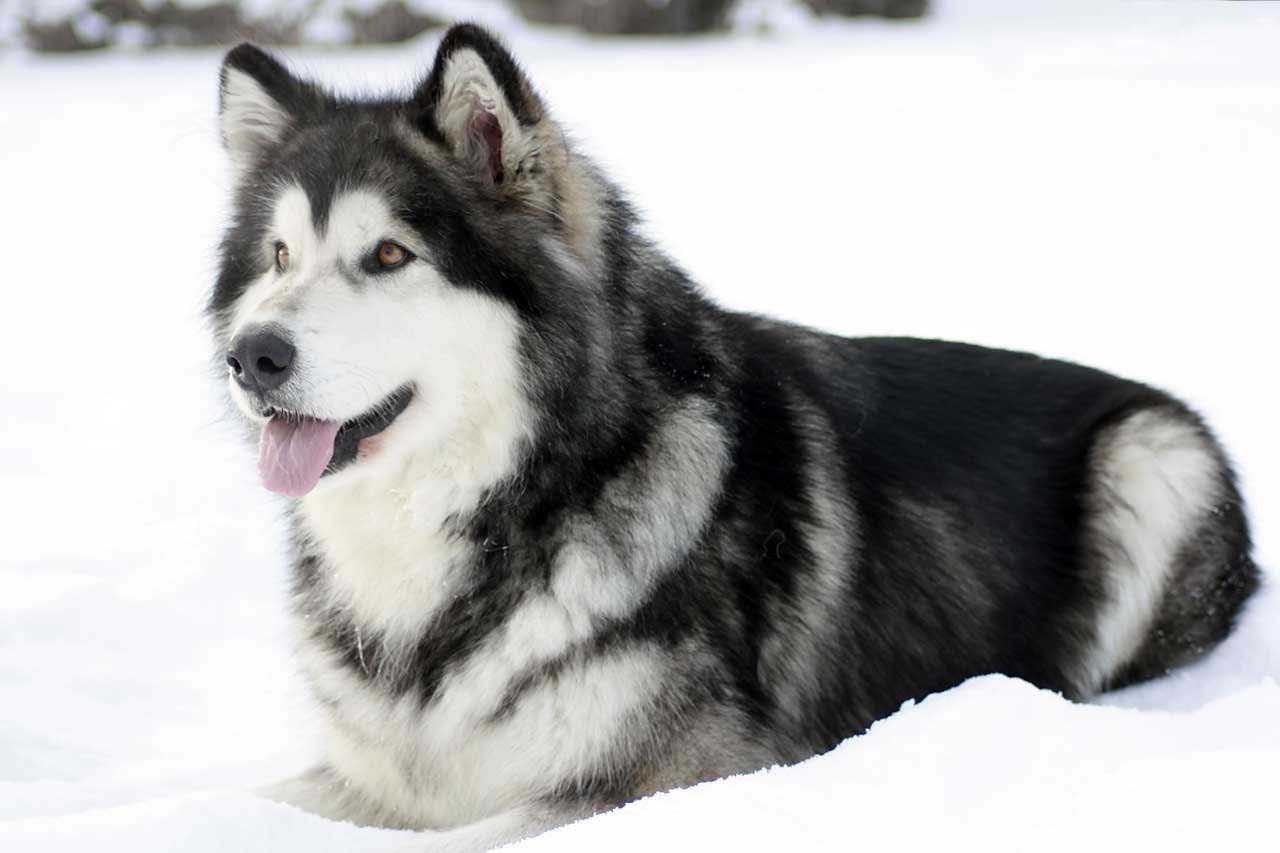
(461,756)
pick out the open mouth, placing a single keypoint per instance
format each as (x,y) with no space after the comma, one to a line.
(296,450)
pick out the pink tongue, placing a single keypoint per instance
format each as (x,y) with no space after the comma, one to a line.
(293,454)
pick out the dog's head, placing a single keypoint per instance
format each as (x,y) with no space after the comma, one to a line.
(386,258)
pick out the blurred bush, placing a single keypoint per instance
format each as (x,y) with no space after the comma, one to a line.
(70,25)
(886,8)
(89,24)
(630,17)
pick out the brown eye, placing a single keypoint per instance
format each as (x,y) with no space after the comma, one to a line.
(282,257)
(392,255)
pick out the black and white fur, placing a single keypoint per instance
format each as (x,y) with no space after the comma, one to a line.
(624,540)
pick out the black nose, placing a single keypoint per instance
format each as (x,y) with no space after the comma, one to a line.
(261,358)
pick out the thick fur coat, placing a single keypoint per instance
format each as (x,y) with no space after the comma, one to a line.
(579,534)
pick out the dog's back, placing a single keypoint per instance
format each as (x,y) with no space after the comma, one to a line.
(1008,513)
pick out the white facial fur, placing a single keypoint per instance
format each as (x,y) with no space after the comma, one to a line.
(359,337)
(349,356)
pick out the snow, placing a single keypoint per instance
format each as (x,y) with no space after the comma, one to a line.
(1087,181)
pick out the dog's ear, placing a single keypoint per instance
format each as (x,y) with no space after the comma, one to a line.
(479,104)
(259,100)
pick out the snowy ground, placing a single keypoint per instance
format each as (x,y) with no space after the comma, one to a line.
(1098,183)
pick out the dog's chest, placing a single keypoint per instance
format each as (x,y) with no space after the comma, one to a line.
(388,553)
(449,760)
(442,731)
(515,717)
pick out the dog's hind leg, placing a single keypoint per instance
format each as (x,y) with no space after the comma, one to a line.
(1167,547)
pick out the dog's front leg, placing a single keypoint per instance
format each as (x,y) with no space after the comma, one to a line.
(505,828)
(323,793)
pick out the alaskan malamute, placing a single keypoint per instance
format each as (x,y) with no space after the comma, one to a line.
(568,533)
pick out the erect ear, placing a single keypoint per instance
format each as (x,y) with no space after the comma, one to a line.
(479,104)
(259,101)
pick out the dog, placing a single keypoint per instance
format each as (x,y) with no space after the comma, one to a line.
(567,533)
